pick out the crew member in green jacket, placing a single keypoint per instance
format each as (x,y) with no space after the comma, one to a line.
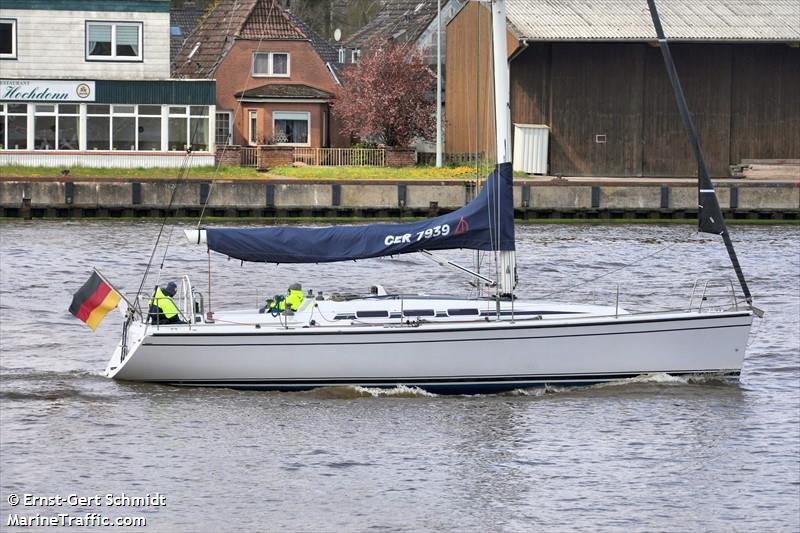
(294,298)
(162,309)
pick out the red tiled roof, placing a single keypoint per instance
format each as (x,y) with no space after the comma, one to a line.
(214,36)
(268,21)
(285,90)
(398,21)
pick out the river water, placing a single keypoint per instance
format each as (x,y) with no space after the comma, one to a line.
(655,454)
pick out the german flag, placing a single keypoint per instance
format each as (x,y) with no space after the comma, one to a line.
(93,301)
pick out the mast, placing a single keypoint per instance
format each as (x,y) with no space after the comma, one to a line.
(439,83)
(507,259)
(710,219)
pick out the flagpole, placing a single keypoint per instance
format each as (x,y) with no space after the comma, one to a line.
(105,280)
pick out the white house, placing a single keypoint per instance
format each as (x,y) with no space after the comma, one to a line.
(86,82)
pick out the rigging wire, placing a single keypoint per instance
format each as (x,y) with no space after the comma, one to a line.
(235,113)
(623,267)
(181,175)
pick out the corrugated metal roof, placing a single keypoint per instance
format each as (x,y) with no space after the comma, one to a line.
(629,20)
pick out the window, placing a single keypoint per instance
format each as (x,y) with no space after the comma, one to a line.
(13,126)
(8,38)
(355,53)
(114,41)
(198,128)
(149,127)
(270,64)
(123,127)
(252,133)
(68,127)
(342,55)
(177,128)
(44,127)
(188,127)
(222,135)
(98,127)
(290,128)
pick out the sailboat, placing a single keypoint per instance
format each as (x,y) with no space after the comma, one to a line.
(439,344)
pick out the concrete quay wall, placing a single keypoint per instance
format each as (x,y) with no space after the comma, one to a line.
(34,198)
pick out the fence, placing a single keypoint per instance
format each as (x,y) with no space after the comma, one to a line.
(249,156)
(374,157)
(467,158)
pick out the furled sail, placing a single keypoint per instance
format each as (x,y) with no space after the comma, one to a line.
(710,219)
(486,223)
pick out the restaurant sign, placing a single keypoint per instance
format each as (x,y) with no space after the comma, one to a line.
(47,90)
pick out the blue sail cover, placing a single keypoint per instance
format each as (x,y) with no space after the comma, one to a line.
(486,223)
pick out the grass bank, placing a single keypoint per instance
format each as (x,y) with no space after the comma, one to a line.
(244,173)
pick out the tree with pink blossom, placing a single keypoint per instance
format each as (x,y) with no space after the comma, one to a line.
(388,97)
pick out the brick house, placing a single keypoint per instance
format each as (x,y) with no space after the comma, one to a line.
(275,78)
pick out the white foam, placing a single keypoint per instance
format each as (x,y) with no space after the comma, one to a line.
(399,390)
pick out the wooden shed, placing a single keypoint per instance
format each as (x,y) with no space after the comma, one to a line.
(593,73)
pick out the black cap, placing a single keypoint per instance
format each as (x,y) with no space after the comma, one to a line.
(171,289)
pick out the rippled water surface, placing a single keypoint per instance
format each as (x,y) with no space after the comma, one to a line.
(656,454)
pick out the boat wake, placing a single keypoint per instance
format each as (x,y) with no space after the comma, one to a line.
(661,378)
(352,392)
(405,391)
(32,384)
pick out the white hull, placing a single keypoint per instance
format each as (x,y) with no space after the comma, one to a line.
(444,356)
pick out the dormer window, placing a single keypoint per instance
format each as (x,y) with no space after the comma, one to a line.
(271,64)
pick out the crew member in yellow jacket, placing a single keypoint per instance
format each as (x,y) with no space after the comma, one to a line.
(277,305)
(162,309)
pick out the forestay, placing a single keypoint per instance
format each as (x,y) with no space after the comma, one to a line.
(486,223)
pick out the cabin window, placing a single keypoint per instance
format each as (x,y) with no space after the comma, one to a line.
(463,312)
(222,128)
(8,38)
(13,126)
(270,64)
(419,312)
(114,41)
(372,314)
(291,127)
